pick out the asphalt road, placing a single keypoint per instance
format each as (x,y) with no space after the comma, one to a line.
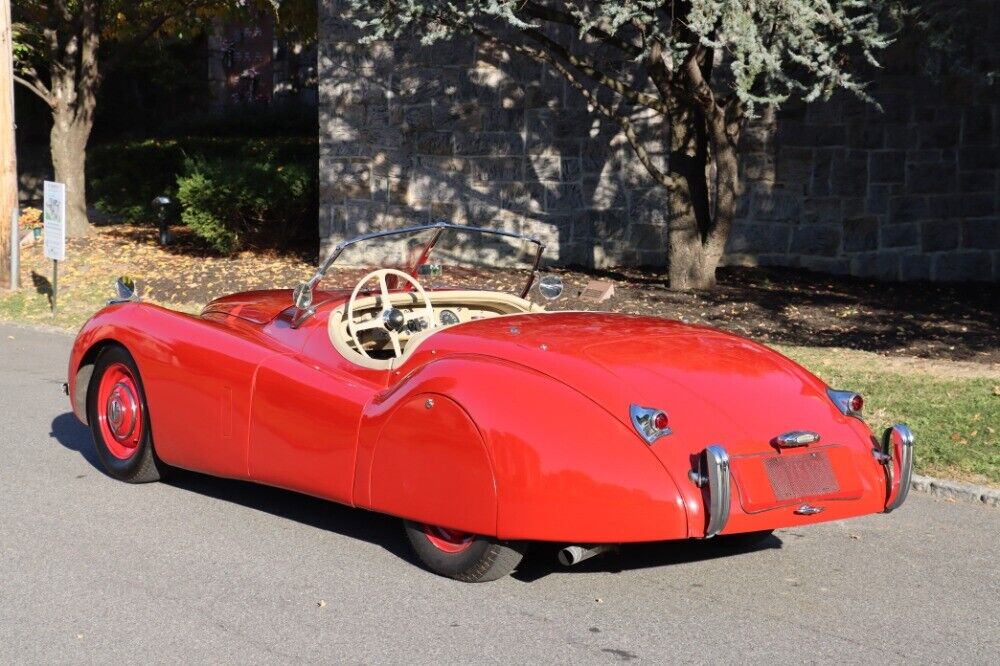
(205,570)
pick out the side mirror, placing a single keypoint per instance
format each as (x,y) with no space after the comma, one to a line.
(550,287)
(124,291)
(303,296)
(125,288)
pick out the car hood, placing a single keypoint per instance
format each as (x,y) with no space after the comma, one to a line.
(716,387)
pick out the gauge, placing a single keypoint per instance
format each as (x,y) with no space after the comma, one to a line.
(448,317)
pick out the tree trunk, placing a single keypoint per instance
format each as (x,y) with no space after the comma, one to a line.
(68,143)
(702,204)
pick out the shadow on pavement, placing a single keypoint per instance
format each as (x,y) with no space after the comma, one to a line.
(386,531)
(541,559)
(375,528)
(75,436)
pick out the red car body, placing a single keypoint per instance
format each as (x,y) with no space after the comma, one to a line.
(516,427)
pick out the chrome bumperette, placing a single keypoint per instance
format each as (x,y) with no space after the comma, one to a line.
(897,446)
(716,476)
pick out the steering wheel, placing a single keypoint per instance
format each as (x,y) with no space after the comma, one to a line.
(390,319)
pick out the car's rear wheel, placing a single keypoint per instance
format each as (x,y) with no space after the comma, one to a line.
(463,556)
(119,418)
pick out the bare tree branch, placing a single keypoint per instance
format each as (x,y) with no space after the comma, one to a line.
(703,93)
(36,87)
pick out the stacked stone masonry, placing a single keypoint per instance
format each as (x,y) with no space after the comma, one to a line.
(461,132)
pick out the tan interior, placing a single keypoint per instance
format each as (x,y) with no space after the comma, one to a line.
(466,305)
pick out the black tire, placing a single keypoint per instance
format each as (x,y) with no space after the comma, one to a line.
(485,559)
(142,466)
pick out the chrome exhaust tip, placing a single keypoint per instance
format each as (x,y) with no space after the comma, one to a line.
(571,555)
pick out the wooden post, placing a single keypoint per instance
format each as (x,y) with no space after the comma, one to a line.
(8,153)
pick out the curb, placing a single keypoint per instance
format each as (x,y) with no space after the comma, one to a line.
(954,490)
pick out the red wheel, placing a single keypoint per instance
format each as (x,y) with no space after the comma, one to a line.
(448,541)
(120,414)
(467,557)
(119,418)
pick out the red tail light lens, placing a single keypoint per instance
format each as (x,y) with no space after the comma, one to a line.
(848,402)
(660,421)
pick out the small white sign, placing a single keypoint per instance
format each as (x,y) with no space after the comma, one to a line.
(54,216)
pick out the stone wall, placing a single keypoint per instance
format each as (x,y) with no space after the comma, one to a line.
(460,132)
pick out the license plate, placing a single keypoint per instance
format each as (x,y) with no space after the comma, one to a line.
(802,475)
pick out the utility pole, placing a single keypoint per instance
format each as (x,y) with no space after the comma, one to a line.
(8,152)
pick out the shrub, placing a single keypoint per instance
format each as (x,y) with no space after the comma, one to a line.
(255,200)
(233,191)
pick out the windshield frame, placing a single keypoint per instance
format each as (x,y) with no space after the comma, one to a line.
(441,227)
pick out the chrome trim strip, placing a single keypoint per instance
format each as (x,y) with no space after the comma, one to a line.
(905,447)
(717,468)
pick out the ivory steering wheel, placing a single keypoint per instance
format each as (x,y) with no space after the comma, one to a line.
(390,319)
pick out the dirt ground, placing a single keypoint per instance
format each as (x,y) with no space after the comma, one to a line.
(947,322)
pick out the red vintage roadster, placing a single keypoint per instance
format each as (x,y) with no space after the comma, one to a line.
(425,389)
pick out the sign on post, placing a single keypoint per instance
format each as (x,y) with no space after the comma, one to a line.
(54,231)
(54,210)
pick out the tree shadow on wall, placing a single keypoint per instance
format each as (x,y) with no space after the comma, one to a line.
(470,134)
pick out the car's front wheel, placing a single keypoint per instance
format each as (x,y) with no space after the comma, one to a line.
(466,557)
(119,419)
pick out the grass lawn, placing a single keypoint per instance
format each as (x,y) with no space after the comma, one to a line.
(952,406)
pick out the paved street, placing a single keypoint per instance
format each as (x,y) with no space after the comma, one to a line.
(205,570)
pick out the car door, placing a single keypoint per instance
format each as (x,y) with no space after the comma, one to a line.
(305,415)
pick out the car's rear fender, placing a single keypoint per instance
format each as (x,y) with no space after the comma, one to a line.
(549,462)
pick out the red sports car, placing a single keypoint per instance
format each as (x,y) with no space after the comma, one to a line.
(430,388)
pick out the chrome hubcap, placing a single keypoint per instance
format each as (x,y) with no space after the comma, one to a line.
(122,411)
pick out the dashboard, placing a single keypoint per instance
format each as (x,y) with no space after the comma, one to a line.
(410,321)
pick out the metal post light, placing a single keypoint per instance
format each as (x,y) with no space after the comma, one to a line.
(161,204)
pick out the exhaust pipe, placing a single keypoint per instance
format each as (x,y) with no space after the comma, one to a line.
(571,555)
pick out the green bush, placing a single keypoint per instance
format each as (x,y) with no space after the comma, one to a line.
(235,203)
(233,191)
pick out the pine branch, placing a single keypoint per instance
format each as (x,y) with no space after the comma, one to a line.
(535,10)
(588,68)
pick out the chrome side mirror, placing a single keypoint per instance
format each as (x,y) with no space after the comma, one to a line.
(124,291)
(303,296)
(550,287)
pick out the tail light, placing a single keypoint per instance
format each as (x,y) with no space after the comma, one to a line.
(848,402)
(649,422)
